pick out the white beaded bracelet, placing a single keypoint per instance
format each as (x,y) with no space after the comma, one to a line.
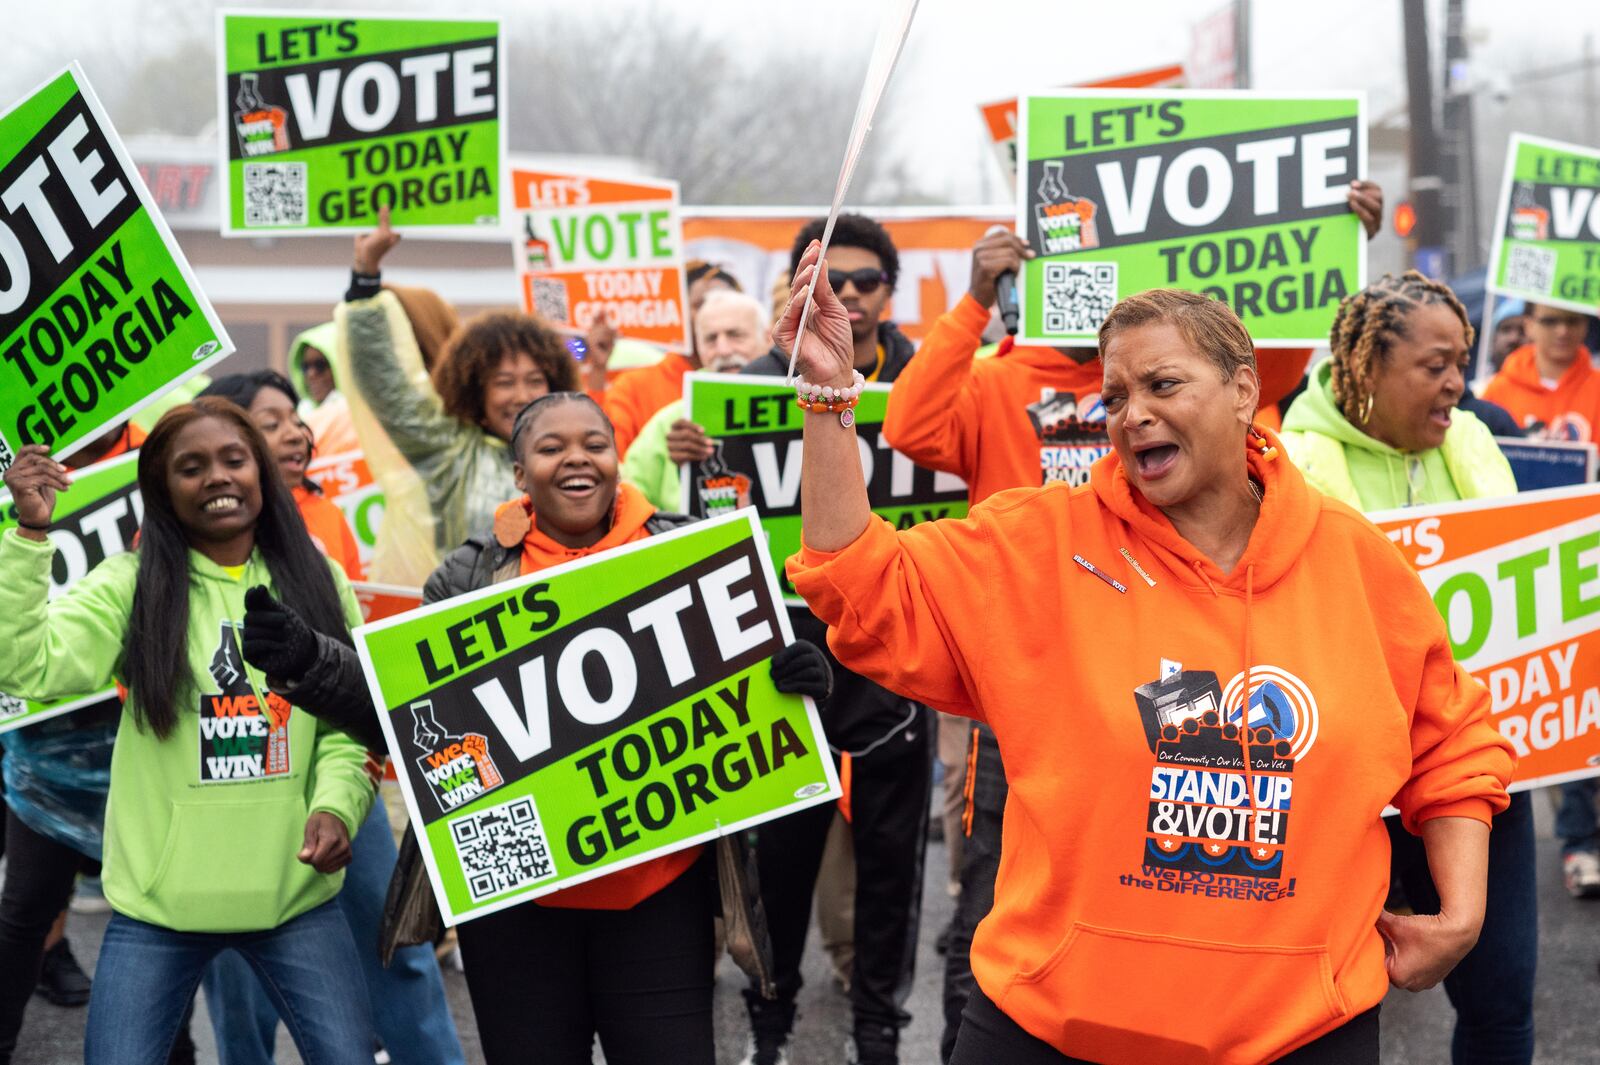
(807,392)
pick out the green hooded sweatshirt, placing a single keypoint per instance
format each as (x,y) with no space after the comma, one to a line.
(1341,461)
(322,337)
(202,828)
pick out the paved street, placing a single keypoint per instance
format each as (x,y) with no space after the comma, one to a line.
(1416,1028)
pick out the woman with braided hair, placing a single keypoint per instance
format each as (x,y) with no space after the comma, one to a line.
(1378,427)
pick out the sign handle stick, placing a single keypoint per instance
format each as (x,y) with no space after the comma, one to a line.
(891,40)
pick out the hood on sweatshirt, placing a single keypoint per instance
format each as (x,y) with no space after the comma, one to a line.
(1368,474)
(324,338)
(628,516)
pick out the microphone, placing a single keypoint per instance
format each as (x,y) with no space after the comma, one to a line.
(1005,292)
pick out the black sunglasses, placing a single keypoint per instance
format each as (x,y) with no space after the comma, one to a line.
(866,281)
(314,366)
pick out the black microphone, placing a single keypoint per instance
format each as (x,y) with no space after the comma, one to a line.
(1005,291)
(1005,296)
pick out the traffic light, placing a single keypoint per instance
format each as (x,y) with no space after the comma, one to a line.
(1405,218)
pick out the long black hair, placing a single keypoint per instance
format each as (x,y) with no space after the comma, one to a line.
(155,651)
(242,388)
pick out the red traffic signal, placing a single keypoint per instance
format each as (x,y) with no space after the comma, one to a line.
(1405,218)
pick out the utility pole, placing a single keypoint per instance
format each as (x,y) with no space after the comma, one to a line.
(1428,238)
(1241,44)
(1460,191)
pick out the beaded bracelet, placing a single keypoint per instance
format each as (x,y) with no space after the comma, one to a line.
(842,401)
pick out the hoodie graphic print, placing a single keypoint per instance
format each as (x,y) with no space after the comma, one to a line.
(242,736)
(1220,800)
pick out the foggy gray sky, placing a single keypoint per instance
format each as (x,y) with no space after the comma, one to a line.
(962,53)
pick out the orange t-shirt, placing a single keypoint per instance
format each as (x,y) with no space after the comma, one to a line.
(625,888)
(329,531)
(635,396)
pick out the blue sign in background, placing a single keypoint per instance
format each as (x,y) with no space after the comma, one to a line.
(1538,464)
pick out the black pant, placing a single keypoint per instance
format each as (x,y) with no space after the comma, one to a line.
(890,789)
(39,876)
(980,861)
(989,1037)
(545,980)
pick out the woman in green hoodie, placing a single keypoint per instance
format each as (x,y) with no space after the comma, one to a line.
(1378,428)
(230,815)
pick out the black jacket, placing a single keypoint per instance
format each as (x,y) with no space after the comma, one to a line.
(860,713)
(334,691)
(1496,417)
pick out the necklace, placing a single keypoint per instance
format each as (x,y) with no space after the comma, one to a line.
(1255,489)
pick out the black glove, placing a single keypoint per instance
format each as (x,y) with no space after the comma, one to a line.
(277,641)
(800,669)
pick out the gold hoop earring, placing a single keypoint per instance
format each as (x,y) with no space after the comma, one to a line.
(1366,409)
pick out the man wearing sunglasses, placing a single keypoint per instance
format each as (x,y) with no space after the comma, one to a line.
(1549,384)
(885,740)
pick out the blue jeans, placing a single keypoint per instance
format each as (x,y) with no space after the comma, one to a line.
(406,1000)
(146,978)
(1492,988)
(1576,825)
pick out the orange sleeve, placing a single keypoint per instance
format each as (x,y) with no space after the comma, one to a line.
(891,601)
(1280,370)
(1460,763)
(349,551)
(933,414)
(621,404)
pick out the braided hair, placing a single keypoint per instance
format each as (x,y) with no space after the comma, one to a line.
(1368,322)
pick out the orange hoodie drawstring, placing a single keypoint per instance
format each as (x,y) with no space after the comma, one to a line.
(1199,569)
(1244,709)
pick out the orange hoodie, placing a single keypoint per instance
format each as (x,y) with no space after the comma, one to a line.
(1026,417)
(625,888)
(329,531)
(634,397)
(1162,897)
(1570,411)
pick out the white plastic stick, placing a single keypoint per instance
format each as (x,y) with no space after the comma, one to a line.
(892,32)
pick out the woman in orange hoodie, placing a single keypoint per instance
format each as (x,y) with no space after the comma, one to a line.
(1194,859)
(627,957)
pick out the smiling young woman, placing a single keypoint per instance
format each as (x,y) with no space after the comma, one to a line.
(1153,901)
(627,957)
(215,837)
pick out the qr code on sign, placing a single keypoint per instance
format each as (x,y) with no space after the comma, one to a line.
(1078,296)
(274,194)
(502,848)
(1530,269)
(550,299)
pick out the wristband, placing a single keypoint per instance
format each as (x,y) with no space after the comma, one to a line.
(32,528)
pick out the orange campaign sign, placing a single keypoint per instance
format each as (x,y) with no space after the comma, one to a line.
(934,245)
(590,244)
(1000,117)
(379,601)
(1517,580)
(347,483)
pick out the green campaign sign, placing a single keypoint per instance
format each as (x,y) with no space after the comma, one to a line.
(325,118)
(95,519)
(99,311)
(1547,233)
(757,429)
(1239,195)
(564,725)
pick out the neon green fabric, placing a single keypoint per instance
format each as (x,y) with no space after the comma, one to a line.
(647,466)
(1341,461)
(189,845)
